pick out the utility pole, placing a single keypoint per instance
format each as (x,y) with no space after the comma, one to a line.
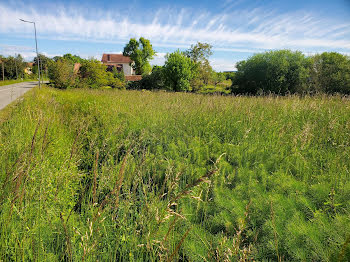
(42,74)
(3,70)
(16,66)
(36,47)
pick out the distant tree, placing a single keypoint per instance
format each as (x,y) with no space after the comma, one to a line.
(14,67)
(199,54)
(44,65)
(229,75)
(61,74)
(73,58)
(278,72)
(218,77)
(330,73)
(179,70)
(56,58)
(141,52)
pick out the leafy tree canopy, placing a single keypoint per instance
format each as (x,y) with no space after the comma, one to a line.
(279,72)
(141,52)
(179,70)
(330,72)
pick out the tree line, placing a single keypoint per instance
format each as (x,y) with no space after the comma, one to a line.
(13,67)
(287,72)
(278,72)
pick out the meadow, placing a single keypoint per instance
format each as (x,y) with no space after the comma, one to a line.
(116,175)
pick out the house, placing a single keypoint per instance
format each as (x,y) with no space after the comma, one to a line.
(120,62)
(28,69)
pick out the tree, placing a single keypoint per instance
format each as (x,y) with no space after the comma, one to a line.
(155,80)
(61,74)
(141,52)
(44,65)
(199,54)
(73,58)
(179,70)
(14,67)
(330,73)
(93,74)
(278,72)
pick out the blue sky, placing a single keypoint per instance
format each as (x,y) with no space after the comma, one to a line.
(235,28)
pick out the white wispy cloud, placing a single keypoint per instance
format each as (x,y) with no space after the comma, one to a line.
(243,29)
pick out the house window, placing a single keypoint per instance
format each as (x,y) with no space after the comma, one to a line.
(108,57)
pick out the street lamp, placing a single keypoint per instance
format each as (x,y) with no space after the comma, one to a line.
(36,46)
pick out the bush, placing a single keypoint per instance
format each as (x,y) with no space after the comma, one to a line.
(61,74)
(114,82)
(330,73)
(93,74)
(179,70)
(278,72)
(155,80)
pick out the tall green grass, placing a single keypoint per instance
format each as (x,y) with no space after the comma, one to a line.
(108,175)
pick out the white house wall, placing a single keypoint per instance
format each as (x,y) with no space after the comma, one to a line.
(127,69)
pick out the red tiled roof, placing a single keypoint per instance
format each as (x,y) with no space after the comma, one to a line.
(115,58)
(133,78)
(30,64)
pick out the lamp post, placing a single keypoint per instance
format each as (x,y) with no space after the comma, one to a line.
(3,72)
(36,47)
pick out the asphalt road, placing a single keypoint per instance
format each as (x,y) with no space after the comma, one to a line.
(10,93)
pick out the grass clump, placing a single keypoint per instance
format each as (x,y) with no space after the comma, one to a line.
(136,175)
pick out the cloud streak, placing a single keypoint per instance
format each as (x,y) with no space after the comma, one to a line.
(240,30)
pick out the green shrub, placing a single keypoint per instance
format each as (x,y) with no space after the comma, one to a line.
(278,72)
(179,70)
(61,74)
(330,73)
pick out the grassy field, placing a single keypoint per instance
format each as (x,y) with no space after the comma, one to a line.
(105,175)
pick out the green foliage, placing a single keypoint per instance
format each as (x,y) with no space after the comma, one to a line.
(204,73)
(61,74)
(179,70)
(153,81)
(229,75)
(93,74)
(114,81)
(13,67)
(72,58)
(114,175)
(141,52)
(120,75)
(330,73)
(278,72)
(199,52)
(45,63)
